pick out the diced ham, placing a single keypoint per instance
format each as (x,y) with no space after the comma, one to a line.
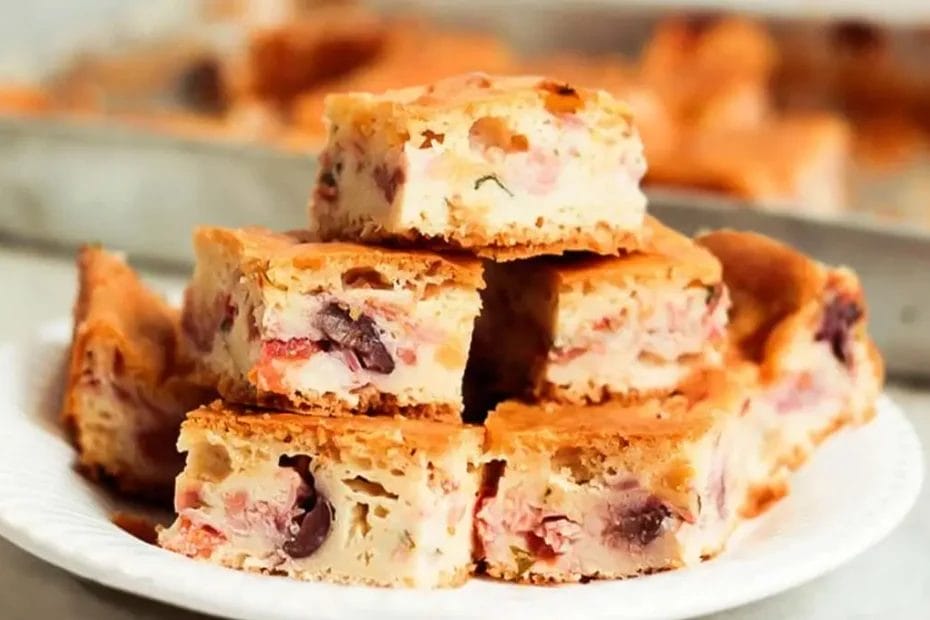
(268,376)
(407,355)
(195,540)
(294,349)
(187,497)
(541,172)
(558,533)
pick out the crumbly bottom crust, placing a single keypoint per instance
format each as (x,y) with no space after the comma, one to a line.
(371,403)
(501,247)
(445,580)
(502,573)
(572,395)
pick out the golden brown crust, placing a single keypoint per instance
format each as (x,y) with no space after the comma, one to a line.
(507,246)
(504,248)
(456,579)
(531,578)
(686,414)
(310,431)
(115,308)
(117,318)
(768,282)
(257,249)
(474,92)
(546,391)
(878,363)
(665,255)
(369,400)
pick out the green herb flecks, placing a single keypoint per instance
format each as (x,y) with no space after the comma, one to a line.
(523,560)
(491,177)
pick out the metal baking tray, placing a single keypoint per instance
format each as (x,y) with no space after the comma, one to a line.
(143,193)
(66,182)
(892,260)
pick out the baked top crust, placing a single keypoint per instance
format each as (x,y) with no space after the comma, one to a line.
(313,433)
(473,94)
(686,414)
(665,255)
(258,250)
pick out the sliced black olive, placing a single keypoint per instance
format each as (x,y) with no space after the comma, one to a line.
(358,335)
(316,521)
(839,315)
(642,523)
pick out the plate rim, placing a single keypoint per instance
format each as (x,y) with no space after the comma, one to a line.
(532,600)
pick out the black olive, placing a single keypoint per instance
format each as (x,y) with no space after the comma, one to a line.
(839,315)
(358,335)
(642,523)
(314,529)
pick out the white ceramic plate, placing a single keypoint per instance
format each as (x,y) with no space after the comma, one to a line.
(855,490)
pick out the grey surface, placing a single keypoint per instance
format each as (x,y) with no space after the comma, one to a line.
(144,193)
(892,580)
(893,263)
(139,191)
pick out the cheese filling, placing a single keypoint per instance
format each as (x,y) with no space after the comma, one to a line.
(542,171)
(641,339)
(544,520)
(299,344)
(308,518)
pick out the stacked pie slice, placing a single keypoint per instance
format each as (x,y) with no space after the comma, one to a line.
(484,356)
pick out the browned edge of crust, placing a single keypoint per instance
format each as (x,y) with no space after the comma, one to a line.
(548,392)
(452,581)
(504,247)
(470,92)
(99,314)
(768,282)
(531,578)
(298,429)
(113,308)
(686,413)
(371,403)
(665,254)
(257,249)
